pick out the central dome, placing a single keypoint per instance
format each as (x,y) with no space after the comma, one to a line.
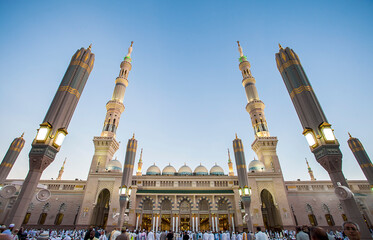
(185,170)
(169,170)
(256,166)
(153,170)
(201,170)
(114,166)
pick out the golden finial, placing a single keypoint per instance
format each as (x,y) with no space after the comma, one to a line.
(22,134)
(131,43)
(229,154)
(133,136)
(238,42)
(236,136)
(349,134)
(279,45)
(90,47)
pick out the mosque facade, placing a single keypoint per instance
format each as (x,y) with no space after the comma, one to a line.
(185,198)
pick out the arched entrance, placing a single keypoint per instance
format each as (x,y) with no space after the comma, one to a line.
(270,213)
(166,208)
(184,215)
(101,210)
(204,215)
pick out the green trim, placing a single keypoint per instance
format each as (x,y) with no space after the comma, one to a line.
(185,191)
(243,58)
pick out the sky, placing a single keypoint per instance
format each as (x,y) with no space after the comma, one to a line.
(185,100)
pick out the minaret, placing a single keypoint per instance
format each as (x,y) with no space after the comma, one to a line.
(61,170)
(107,145)
(11,157)
(139,165)
(53,129)
(230,165)
(127,177)
(243,181)
(264,145)
(362,158)
(318,131)
(310,172)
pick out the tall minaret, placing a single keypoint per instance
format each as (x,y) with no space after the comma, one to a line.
(318,132)
(243,181)
(362,158)
(264,145)
(107,145)
(53,129)
(230,164)
(310,172)
(139,165)
(10,158)
(61,170)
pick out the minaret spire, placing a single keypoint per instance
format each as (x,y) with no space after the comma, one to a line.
(106,147)
(230,164)
(115,106)
(310,172)
(139,165)
(61,170)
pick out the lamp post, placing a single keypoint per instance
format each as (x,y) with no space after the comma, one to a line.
(53,129)
(318,131)
(125,190)
(244,189)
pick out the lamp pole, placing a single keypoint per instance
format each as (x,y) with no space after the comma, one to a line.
(125,189)
(243,181)
(53,130)
(318,132)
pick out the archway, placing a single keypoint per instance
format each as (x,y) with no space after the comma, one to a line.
(270,213)
(101,210)
(204,215)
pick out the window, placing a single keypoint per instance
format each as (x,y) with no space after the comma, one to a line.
(312,219)
(42,218)
(59,218)
(27,218)
(329,219)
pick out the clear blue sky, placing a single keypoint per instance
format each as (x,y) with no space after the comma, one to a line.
(185,100)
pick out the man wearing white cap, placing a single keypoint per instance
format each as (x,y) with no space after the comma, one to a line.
(9,230)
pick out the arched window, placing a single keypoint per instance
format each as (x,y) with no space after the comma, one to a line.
(203,205)
(58,219)
(222,205)
(184,206)
(148,204)
(27,218)
(42,218)
(166,205)
(329,219)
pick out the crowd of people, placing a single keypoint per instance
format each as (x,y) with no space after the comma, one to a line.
(350,231)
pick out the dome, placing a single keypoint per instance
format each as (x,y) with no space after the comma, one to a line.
(153,170)
(185,170)
(201,170)
(256,166)
(114,166)
(216,170)
(169,170)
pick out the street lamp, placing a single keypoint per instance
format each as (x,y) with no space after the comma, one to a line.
(245,191)
(59,137)
(43,132)
(124,191)
(327,131)
(310,137)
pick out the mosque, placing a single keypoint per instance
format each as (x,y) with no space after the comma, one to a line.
(175,197)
